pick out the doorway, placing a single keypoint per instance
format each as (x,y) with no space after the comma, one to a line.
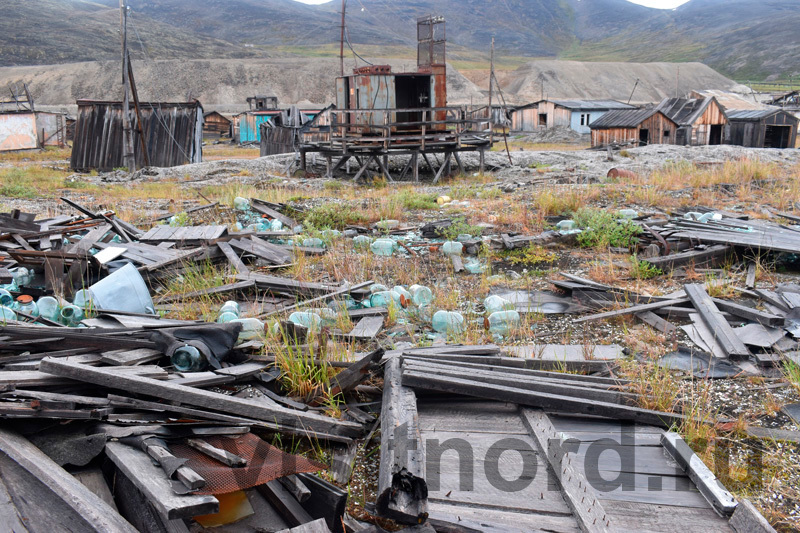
(412,92)
(644,137)
(777,136)
(715,134)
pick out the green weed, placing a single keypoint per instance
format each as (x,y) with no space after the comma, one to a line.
(333,216)
(601,229)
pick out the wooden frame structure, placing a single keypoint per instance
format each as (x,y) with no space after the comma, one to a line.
(381,114)
(440,130)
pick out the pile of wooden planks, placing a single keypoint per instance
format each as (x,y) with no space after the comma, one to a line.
(760,328)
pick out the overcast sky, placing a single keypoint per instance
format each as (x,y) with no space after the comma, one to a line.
(663,4)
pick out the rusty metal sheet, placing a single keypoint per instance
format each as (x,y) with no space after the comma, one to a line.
(18,131)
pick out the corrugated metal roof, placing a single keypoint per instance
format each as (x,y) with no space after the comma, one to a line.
(598,105)
(752,114)
(623,118)
(684,111)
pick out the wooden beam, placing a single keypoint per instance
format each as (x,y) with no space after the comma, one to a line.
(233,258)
(150,479)
(578,492)
(707,483)
(98,515)
(554,402)
(281,418)
(633,310)
(402,491)
(712,317)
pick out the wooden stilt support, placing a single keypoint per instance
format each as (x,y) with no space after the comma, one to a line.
(445,165)
(383,163)
(364,168)
(458,162)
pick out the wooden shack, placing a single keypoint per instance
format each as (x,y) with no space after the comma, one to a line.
(763,128)
(577,115)
(216,124)
(633,126)
(171,133)
(701,121)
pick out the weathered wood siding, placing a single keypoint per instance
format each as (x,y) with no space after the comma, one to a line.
(657,127)
(614,135)
(529,119)
(753,133)
(525,119)
(217,124)
(701,129)
(660,128)
(172,134)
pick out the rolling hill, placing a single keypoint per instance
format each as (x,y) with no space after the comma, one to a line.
(744,39)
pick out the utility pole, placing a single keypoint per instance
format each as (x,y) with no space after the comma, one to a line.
(634,90)
(128,157)
(341,42)
(491,81)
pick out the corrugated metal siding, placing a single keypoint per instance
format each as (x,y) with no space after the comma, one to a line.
(18,131)
(173,135)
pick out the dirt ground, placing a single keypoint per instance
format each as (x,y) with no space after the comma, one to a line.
(526,196)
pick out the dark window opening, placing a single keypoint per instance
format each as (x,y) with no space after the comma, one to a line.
(666,134)
(543,119)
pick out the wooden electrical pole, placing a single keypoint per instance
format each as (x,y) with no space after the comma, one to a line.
(491,80)
(341,42)
(128,157)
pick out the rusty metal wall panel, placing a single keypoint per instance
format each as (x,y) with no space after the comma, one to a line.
(373,92)
(18,131)
(341,93)
(47,126)
(172,132)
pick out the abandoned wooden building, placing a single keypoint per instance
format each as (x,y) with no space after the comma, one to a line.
(381,113)
(262,103)
(169,134)
(765,128)
(575,114)
(637,127)
(216,124)
(701,121)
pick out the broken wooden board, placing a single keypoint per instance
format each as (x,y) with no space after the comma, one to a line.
(711,316)
(402,491)
(366,329)
(92,513)
(281,418)
(553,402)
(151,480)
